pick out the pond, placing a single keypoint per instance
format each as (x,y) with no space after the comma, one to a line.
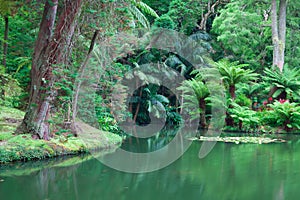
(230,171)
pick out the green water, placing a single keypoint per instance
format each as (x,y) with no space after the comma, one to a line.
(230,172)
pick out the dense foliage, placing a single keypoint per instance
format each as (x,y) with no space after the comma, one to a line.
(236,41)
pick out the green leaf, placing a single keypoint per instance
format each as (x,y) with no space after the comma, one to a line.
(277,93)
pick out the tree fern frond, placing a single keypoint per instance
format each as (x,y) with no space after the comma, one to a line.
(139,16)
(146,9)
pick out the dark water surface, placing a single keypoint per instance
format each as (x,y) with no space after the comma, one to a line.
(230,171)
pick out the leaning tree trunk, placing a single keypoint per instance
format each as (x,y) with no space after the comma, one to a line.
(78,83)
(278,33)
(49,53)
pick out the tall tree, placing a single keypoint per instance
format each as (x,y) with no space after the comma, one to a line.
(51,49)
(185,14)
(278,32)
(243,32)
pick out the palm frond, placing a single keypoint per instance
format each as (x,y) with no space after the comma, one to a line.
(139,16)
(138,8)
(233,73)
(146,9)
(287,81)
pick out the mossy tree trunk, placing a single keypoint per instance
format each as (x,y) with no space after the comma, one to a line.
(50,52)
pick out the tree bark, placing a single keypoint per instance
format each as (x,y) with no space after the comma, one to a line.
(5,42)
(282,32)
(210,11)
(229,120)
(50,51)
(232,91)
(38,110)
(240,125)
(202,106)
(275,37)
(278,33)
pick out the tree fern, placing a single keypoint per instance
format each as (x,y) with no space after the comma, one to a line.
(287,82)
(195,94)
(232,73)
(250,90)
(286,115)
(145,8)
(139,16)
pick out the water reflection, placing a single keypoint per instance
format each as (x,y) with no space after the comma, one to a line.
(145,145)
(229,172)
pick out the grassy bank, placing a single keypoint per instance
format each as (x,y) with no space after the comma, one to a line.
(23,147)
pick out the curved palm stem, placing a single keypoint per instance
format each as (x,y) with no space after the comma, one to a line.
(137,8)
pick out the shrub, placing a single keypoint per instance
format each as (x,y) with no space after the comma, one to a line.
(10,90)
(287,83)
(283,114)
(245,118)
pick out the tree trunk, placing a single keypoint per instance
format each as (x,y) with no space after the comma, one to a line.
(202,106)
(240,125)
(272,91)
(210,11)
(232,91)
(50,51)
(78,84)
(229,120)
(38,108)
(282,32)
(5,42)
(278,33)
(282,95)
(275,37)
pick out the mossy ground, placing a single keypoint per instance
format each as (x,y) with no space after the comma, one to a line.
(23,147)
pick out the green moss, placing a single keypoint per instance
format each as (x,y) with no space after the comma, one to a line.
(13,113)
(23,147)
(71,143)
(5,135)
(4,127)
